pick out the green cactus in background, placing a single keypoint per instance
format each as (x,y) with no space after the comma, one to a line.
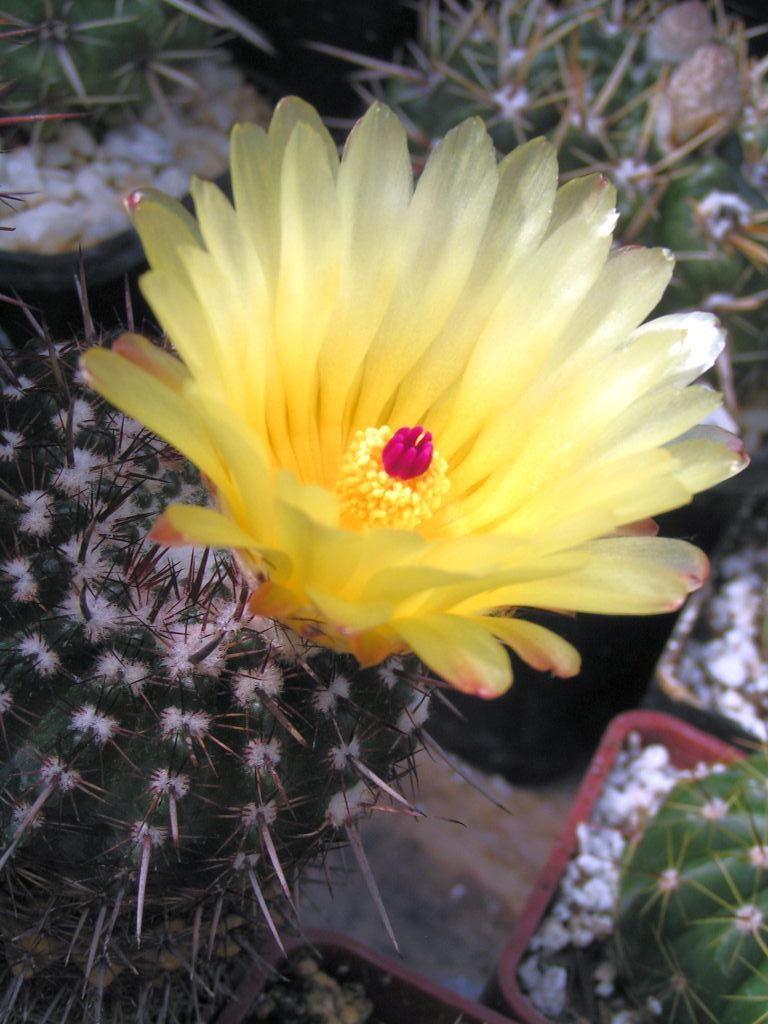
(169,762)
(106,56)
(661,97)
(692,915)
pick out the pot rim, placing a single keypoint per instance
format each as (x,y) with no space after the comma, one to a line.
(687,746)
(326,939)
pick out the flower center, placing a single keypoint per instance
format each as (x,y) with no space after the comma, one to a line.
(408,453)
(391,479)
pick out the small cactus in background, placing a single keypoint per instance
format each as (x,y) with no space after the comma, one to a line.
(169,762)
(662,98)
(692,915)
(107,58)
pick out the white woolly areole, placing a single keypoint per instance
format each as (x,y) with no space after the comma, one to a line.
(165,783)
(283,644)
(93,612)
(253,814)
(52,771)
(36,520)
(82,413)
(10,445)
(46,661)
(415,715)
(510,100)
(6,701)
(339,756)
(175,722)
(722,211)
(390,672)
(668,880)
(19,813)
(748,919)
(88,564)
(150,835)
(261,754)
(267,681)
(91,722)
(24,587)
(113,669)
(326,698)
(180,657)
(758,856)
(348,804)
(14,391)
(270,679)
(714,809)
(76,478)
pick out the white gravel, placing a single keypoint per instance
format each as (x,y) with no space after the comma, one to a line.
(73,185)
(725,663)
(581,914)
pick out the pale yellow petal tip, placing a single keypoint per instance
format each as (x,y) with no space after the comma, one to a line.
(693,578)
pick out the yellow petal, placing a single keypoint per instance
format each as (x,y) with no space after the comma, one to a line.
(527,324)
(516,224)
(704,462)
(459,651)
(164,367)
(356,616)
(445,224)
(306,293)
(374,189)
(164,227)
(190,524)
(160,408)
(538,646)
(622,576)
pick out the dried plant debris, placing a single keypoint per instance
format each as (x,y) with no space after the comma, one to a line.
(306,993)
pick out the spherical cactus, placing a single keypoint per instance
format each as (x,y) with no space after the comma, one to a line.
(170,762)
(692,914)
(104,56)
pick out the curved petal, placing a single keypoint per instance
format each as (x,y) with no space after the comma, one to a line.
(460,651)
(538,646)
(621,576)
(148,399)
(446,221)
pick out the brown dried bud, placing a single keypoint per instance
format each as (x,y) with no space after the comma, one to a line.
(678,32)
(704,92)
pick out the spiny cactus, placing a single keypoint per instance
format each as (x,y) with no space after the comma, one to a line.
(169,763)
(661,97)
(62,55)
(692,917)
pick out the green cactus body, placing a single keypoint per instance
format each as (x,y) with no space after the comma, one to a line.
(67,55)
(170,762)
(692,914)
(105,57)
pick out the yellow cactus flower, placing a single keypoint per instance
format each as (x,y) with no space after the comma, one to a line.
(422,410)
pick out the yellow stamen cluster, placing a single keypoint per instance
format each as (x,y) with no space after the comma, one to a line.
(369,497)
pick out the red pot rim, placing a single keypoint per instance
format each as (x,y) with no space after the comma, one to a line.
(687,747)
(458,1006)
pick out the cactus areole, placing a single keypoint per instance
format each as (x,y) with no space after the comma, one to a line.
(692,916)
